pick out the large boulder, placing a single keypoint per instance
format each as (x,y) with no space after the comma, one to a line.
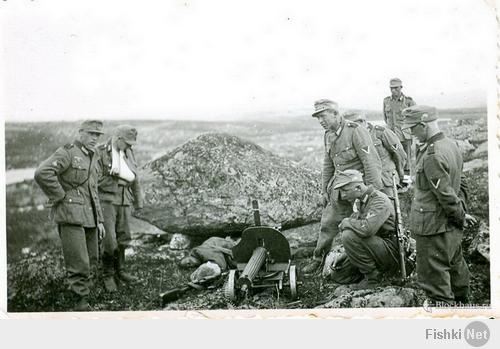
(206,186)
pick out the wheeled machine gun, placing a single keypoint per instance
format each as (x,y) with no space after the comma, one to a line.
(263,260)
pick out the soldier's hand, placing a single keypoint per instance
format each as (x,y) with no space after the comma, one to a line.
(101,232)
(325,199)
(470,221)
(343,224)
(339,260)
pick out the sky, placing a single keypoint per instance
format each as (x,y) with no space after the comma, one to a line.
(217,59)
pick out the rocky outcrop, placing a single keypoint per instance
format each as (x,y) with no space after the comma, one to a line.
(464,146)
(480,244)
(205,187)
(389,297)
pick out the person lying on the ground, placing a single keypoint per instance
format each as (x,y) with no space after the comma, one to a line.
(216,250)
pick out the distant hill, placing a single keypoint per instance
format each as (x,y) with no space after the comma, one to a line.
(295,135)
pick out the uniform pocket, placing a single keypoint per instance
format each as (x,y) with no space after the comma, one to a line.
(421,181)
(426,219)
(345,156)
(70,210)
(78,173)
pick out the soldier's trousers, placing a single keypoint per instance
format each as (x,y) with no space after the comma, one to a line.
(331,217)
(368,254)
(117,225)
(80,250)
(441,268)
(118,236)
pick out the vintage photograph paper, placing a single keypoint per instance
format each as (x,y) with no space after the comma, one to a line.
(249,158)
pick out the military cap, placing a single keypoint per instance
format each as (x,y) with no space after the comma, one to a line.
(345,177)
(416,114)
(395,82)
(127,133)
(324,104)
(91,126)
(354,116)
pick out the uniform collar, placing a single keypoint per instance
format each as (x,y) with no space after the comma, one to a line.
(436,137)
(400,97)
(83,148)
(367,194)
(339,130)
(341,127)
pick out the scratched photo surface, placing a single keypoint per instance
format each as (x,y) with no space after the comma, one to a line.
(230,159)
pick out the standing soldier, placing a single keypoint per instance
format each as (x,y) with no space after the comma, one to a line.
(347,146)
(393,105)
(69,179)
(118,189)
(389,149)
(438,211)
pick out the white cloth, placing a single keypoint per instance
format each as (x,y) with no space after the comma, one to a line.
(119,166)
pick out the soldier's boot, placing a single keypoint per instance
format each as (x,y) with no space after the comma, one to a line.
(82,304)
(108,273)
(371,280)
(462,299)
(312,267)
(120,267)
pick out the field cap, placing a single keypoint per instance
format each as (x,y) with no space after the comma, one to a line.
(416,114)
(127,133)
(324,104)
(345,177)
(354,116)
(395,82)
(91,126)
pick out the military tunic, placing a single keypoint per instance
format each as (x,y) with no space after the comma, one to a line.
(391,153)
(394,119)
(69,179)
(369,235)
(437,219)
(116,196)
(350,147)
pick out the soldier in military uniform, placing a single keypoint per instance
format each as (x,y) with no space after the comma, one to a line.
(393,105)
(369,234)
(389,149)
(438,212)
(347,146)
(119,189)
(69,179)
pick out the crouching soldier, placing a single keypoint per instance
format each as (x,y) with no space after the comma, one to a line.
(369,235)
(69,179)
(119,188)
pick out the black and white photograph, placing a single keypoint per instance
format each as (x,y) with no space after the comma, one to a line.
(249,155)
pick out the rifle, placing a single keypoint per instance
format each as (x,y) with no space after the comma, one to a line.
(178,292)
(399,229)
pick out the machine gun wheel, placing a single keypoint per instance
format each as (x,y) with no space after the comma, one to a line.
(230,286)
(292,278)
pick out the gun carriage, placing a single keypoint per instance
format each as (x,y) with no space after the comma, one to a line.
(263,260)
